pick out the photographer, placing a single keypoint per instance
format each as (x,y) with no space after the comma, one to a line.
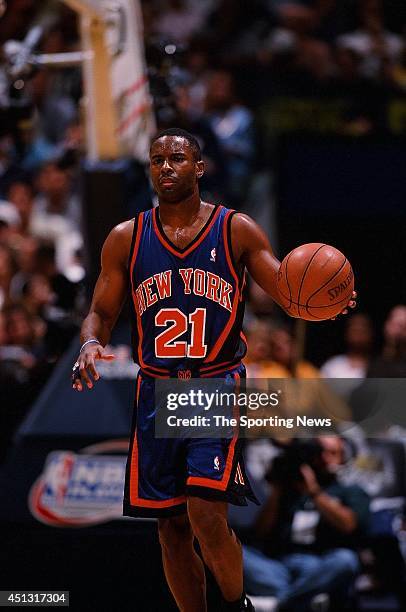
(308,528)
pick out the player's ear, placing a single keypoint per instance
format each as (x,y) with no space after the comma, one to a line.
(200,167)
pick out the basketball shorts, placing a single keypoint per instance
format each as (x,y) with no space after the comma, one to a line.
(162,472)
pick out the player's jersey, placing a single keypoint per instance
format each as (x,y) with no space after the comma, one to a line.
(187,303)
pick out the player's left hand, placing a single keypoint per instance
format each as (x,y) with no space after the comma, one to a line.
(351,304)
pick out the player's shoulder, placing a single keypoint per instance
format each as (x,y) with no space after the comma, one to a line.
(118,242)
(123,229)
(242,219)
(242,224)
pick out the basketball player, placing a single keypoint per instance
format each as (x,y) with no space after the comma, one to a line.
(184,264)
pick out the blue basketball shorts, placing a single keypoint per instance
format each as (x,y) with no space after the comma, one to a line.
(162,472)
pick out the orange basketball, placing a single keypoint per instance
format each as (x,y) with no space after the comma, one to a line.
(315,282)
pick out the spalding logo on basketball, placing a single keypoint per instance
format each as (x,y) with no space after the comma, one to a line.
(315,282)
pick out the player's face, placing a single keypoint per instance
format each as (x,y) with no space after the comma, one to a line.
(174,170)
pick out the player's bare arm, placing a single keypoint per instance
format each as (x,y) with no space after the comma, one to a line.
(108,298)
(251,248)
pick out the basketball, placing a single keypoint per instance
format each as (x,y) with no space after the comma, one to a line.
(315,282)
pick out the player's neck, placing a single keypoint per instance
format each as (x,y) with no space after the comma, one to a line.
(180,213)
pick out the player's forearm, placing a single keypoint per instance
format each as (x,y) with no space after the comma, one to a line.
(342,518)
(96,326)
(264,270)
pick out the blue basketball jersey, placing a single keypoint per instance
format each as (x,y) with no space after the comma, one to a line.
(187,303)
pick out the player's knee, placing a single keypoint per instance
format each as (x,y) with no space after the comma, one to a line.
(209,528)
(174,531)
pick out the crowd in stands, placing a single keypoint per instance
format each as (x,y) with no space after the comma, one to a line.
(350,49)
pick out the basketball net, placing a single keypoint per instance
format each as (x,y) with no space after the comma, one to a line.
(118,106)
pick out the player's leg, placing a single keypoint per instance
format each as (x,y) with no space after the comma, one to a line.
(183,567)
(220,547)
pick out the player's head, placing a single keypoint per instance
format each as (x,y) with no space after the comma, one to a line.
(176,164)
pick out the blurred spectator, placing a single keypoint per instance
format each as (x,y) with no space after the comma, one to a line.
(9,216)
(21,195)
(365,99)
(377,399)
(178,20)
(37,295)
(285,361)
(199,72)
(259,347)
(392,362)
(55,197)
(359,338)
(275,355)
(56,214)
(300,20)
(66,290)
(23,367)
(375,46)
(23,329)
(26,251)
(34,148)
(7,158)
(233,125)
(399,71)
(308,529)
(237,28)
(7,270)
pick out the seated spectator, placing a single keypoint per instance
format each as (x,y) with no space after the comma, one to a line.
(308,395)
(399,71)
(376,46)
(259,341)
(21,195)
(9,221)
(354,363)
(378,400)
(284,361)
(24,331)
(307,530)
(56,214)
(37,295)
(392,362)
(25,248)
(66,290)
(23,367)
(180,19)
(7,270)
(55,197)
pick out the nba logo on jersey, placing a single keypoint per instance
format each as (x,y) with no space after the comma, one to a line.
(184,374)
(213,255)
(217,463)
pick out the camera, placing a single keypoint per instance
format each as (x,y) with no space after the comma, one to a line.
(285,468)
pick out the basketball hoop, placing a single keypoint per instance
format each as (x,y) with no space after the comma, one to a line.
(119,117)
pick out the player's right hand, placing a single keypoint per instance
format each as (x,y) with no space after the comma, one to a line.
(85,367)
